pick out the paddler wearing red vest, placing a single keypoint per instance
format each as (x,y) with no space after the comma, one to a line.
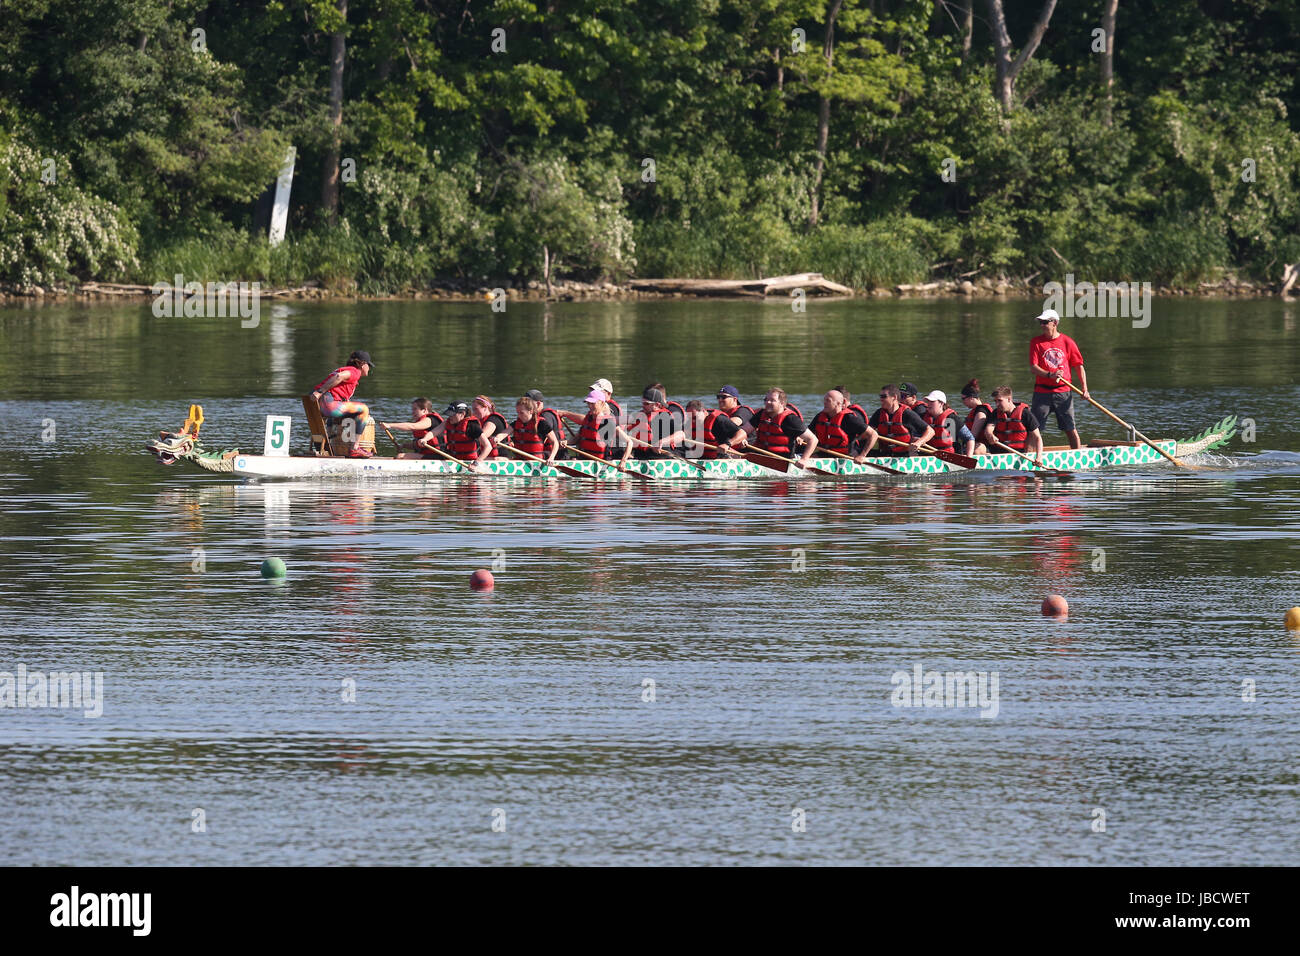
(936,413)
(894,420)
(971,433)
(729,404)
(531,433)
(469,431)
(780,429)
(1053,356)
(838,427)
(654,426)
(596,433)
(550,416)
(711,427)
(334,395)
(1013,424)
(423,420)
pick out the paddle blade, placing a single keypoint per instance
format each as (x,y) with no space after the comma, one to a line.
(776,464)
(964,461)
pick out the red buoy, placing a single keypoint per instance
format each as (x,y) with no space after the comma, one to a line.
(481,580)
(1055,606)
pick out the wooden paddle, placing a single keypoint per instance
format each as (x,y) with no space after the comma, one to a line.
(751,450)
(748,456)
(869,464)
(396,444)
(698,467)
(1037,464)
(554,464)
(962,461)
(1147,441)
(610,464)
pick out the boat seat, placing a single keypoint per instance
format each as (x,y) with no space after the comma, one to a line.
(320,439)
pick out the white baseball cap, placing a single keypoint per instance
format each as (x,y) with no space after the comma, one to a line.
(937,396)
(1049,315)
(603,385)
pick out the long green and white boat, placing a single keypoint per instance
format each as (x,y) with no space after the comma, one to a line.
(171,449)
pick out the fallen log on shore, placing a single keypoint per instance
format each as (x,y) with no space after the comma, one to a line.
(808,281)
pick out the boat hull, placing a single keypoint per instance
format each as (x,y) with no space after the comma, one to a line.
(1088,458)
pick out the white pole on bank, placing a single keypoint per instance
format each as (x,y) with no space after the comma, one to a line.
(280,211)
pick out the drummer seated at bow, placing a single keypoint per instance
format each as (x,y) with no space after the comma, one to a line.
(839,428)
(652,433)
(423,420)
(705,432)
(895,420)
(1013,424)
(334,397)
(779,429)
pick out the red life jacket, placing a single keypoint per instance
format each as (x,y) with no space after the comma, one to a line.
(769,434)
(708,436)
(427,433)
(829,431)
(1009,429)
(981,407)
(891,426)
(557,423)
(592,434)
(941,440)
(735,413)
(650,428)
(497,435)
(459,444)
(527,440)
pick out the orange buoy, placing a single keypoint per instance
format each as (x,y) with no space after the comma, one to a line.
(481,580)
(1055,606)
(1293,619)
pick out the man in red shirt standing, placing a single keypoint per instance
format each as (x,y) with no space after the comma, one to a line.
(1053,356)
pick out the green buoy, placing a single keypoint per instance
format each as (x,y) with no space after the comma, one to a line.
(273,568)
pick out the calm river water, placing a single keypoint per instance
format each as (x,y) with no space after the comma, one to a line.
(1157,725)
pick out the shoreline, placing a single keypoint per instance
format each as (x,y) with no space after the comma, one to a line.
(576,291)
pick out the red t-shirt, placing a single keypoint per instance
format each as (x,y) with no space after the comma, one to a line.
(342,391)
(1056,355)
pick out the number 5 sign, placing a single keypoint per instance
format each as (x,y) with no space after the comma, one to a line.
(277,435)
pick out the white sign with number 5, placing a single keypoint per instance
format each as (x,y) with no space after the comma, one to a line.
(277,435)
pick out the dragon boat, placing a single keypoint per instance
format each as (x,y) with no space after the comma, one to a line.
(172,448)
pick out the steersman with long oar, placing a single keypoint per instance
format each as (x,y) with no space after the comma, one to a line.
(1054,356)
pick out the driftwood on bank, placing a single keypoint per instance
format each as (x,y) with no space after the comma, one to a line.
(1289,276)
(808,281)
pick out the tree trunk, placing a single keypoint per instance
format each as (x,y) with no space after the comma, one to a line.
(824,115)
(1108,57)
(967,27)
(546,269)
(1008,69)
(329,189)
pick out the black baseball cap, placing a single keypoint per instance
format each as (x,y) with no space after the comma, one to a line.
(907,388)
(729,390)
(535,395)
(655,395)
(455,407)
(364,357)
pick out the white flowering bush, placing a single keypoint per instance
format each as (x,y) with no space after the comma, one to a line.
(53,233)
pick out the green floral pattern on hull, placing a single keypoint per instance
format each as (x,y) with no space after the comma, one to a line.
(1081,459)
